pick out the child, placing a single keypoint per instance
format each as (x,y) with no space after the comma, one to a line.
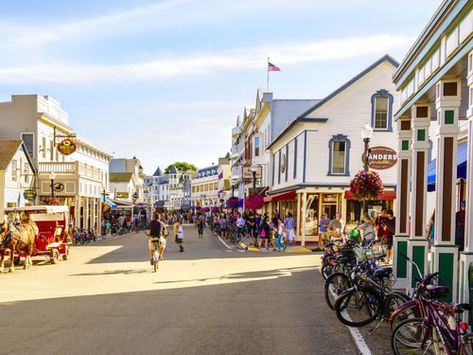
(180,236)
(281,231)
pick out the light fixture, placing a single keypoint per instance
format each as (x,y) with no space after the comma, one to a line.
(367,131)
(253,168)
(52,175)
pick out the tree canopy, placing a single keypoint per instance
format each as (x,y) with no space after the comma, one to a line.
(181,167)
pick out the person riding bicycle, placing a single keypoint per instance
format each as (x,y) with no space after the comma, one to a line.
(154,232)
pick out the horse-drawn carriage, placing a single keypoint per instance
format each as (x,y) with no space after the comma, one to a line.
(50,224)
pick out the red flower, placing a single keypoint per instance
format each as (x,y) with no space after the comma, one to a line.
(366,185)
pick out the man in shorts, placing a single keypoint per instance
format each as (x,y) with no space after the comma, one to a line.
(323,226)
(154,231)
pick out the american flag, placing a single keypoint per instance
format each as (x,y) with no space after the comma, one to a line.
(272,67)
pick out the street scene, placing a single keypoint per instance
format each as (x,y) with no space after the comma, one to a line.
(222,177)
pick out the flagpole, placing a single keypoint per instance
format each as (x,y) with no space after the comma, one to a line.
(267,76)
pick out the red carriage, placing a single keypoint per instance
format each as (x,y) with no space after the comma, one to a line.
(52,240)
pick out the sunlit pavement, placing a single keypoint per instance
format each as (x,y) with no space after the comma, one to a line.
(208,299)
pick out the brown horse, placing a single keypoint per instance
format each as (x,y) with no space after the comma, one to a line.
(17,238)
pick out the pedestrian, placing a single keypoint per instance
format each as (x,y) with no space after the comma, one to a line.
(380,224)
(460,227)
(336,226)
(368,229)
(264,233)
(200,225)
(323,228)
(223,226)
(289,226)
(281,231)
(252,229)
(107,227)
(180,236)
(240,224)
(389,234)
(162,241)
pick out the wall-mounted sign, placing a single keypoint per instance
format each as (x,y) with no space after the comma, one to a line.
(381,158)
(248,174)
(29,194)
(67,146)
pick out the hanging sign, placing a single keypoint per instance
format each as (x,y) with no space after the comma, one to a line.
(381,158)
(67,146)
(29,194)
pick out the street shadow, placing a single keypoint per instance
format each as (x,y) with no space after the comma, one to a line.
(280,315)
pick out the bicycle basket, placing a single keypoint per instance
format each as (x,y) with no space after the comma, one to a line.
(360,254)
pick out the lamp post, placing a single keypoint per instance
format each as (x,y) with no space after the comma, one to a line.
(254,169)
(366,134)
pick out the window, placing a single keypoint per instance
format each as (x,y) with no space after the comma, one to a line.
(26,171)
(339,155)
(14,170)
(28,139)
(381,111)
(295,158)
(43,147)
(257,147)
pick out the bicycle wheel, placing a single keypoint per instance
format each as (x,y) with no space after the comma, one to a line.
(155,260)
(327,270)
(358,307)
(467,344)
(393,301)
(410,311)
(335,285)
(408,336)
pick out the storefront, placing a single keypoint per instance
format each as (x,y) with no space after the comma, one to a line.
(284,203)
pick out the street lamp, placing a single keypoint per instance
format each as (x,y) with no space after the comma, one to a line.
(254,169)
(366,134)
(55,187)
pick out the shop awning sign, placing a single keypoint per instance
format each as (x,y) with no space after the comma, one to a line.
(29,194)
(381,158)
(67,146)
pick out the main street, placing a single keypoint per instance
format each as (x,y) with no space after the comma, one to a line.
(209,299)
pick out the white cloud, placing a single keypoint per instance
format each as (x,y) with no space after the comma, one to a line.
(205,63)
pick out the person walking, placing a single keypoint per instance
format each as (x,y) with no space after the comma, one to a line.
(264,233)
(380,225)
(289,226)
(280,235)
(180,235)
(323,227)
(368,229)
(200,225)
(390,224)
(336,226)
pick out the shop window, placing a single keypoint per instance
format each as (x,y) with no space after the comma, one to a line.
(381,111)
(339,155)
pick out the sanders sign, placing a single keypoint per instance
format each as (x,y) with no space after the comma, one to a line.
(381,158)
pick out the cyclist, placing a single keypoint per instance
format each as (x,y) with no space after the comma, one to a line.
(154,232)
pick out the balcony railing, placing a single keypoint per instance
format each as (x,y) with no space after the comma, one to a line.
(70,168)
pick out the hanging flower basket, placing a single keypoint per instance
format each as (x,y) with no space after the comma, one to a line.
(366,185)
(204,209)
(254,203)
(232,203)
(51,201)
(214,209)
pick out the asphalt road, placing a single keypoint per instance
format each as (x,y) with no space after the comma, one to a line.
(207,300)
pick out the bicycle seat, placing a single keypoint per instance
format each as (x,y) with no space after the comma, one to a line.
(382,272)
(460,307)
(437,291)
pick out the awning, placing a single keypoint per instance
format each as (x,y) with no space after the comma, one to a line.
(108,201)
(386,195)
(285,196)
(461,167)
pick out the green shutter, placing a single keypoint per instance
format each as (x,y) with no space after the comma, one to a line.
(421,135)
(418,256)
(401,261)
(446,265)
(449,117)
(405,145)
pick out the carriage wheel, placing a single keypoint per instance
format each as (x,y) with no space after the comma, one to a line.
(54,256)
(65,256)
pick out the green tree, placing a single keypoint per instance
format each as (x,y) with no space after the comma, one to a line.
(181,167)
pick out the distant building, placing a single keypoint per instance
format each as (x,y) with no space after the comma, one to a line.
(127,180)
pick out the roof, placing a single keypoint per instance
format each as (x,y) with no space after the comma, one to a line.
(284,111)
(172,169)
(208,171)
(8,148)
(158,172)
(120,177)
(303,117)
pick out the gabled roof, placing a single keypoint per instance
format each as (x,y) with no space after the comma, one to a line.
(120,177)
(172,170)
(8,149)
(303,117)
(385,58)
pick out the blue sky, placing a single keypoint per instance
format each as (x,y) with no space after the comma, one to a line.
(165,80)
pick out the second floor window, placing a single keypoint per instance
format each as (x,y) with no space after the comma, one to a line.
(381,113)
(339,150)
(14,170)
(257,146)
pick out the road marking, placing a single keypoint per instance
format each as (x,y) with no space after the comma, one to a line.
(223,242)
(354,332)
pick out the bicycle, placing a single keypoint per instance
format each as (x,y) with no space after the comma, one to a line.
(155,242)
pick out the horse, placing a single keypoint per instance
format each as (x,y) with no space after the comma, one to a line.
(17,238)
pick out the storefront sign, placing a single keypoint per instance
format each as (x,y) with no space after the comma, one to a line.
(248,174)
(67,147)
(29,194)
(381,158)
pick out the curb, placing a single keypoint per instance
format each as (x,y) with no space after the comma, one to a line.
(299,250)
